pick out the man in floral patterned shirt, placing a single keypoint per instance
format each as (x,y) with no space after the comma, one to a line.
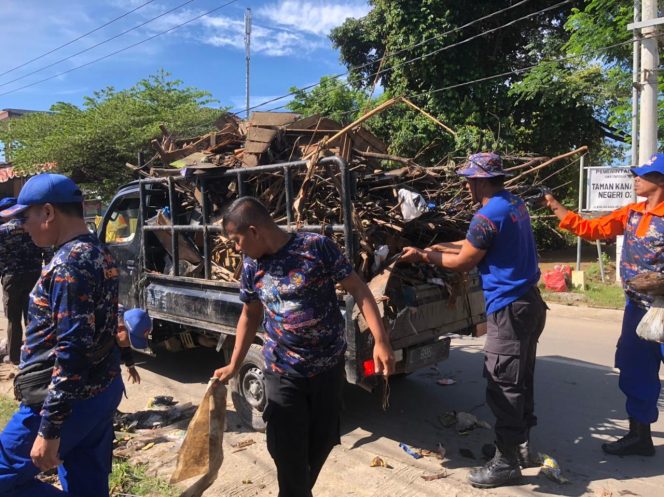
(69,381)
(639,360)
(289,280)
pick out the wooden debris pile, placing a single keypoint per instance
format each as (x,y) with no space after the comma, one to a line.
(396,201)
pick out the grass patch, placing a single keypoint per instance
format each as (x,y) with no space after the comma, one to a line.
(7,409)
(597,294)
(132,479)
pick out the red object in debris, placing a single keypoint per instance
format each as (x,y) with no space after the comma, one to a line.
(369,367)
(555,281)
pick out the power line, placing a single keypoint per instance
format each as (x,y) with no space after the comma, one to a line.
(98,44)
(433,52)
(515,72)
(361,66)
(76,39)
(177,26)
(428,54)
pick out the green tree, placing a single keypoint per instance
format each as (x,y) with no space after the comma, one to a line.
(332,98)
(513,113)
(93,142)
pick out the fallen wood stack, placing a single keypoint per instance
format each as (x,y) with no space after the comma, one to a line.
(397,202)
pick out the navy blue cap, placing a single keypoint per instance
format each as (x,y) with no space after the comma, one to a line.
(7,202)
(138,324)
(654,165)
(45,188)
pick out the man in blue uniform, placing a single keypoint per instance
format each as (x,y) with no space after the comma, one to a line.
(638,360)
(500,243)
(20,266)
(69,382)
(289,280)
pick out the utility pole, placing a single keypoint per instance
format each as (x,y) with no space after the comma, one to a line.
(649,64)
(247,47)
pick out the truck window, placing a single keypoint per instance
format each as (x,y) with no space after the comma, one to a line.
(122,221)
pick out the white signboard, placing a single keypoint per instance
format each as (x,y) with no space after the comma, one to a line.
(609,188)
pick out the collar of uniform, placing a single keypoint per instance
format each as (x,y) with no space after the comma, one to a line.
(644,223)
(642,207)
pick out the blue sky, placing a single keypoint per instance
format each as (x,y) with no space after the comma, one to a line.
(290,47)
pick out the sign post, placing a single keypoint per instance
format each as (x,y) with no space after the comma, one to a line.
(607,189)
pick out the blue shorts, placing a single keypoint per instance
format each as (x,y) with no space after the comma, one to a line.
(86,449)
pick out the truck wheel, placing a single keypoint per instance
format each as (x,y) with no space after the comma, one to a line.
(248,389)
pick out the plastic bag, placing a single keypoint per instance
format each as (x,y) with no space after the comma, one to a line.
(651,327)
(413,204)
(555,281)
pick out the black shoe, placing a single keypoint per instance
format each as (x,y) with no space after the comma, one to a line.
(501,470)
(524,456)
(637,442)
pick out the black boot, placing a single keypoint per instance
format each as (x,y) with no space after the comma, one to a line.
(501,470)
(526,458)
(638,442)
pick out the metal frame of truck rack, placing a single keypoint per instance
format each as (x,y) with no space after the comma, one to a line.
(239,174)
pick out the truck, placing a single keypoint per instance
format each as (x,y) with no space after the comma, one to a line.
(196,310)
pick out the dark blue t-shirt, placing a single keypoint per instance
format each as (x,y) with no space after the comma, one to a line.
(303,322)
(509,268)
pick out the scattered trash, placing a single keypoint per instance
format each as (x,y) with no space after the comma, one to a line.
(446,381)
(148,446)
(467,453)
(465,422)
(411,451)
(551,469)
(412,204)
(448,419)
(242,444)
(378,462)
(161,401)
(152,418)
(437,476)
(441,451)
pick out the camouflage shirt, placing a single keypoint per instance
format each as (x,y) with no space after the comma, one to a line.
(18,254)
(73,316)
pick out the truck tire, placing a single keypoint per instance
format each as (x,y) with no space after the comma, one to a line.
(248,389)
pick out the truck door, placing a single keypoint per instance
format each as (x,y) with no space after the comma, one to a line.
(119,230)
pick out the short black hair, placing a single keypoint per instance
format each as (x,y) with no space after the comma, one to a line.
(245,212)
(73,209)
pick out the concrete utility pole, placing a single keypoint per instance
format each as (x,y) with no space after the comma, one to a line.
(649,64)
(247,47)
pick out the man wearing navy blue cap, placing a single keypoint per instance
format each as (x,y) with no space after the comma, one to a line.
(69,382)
(20,266)
(638,360)
(501,244)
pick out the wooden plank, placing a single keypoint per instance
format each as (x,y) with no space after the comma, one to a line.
(272,118)
(263,135)
(256,147)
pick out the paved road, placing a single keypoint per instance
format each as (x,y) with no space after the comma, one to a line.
(578,403)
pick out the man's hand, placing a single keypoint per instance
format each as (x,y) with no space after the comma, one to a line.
(132,375)
(44,453)
(226,373)
(412,254)
(383,357)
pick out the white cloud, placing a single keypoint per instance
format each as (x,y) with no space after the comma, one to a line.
(317,18)
(226,32)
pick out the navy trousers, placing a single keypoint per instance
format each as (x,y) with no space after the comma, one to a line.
(638,361)
(86,449)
